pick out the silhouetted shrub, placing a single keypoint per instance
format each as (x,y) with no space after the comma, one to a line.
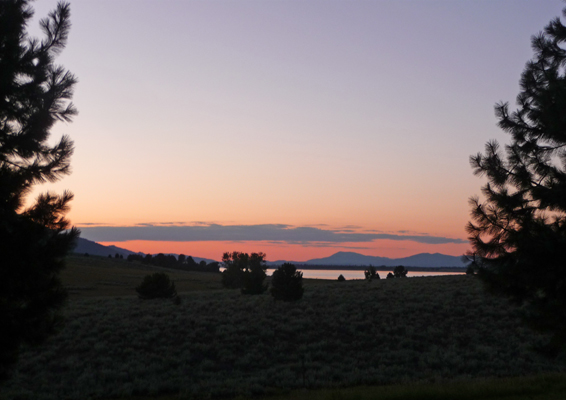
(287,283)
(253,282)
(341,278)
(400,272)
(390,276)
(212,267)
(244,271)
(234,265)
(371,273)
(134,257)
(165,261)
(474,264)
(156,286)
(254,274)
(191,262)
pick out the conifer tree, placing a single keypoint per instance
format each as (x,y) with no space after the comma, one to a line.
(287,283)
(519,228)
(35,93)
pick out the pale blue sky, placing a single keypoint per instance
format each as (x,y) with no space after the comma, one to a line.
(289,112)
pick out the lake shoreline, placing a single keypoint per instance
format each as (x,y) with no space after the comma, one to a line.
(377,268)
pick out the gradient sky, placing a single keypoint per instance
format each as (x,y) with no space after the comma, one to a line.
(212,126)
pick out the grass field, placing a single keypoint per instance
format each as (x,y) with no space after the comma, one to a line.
(100,276)
(540,387)
(424,336)
(95,276)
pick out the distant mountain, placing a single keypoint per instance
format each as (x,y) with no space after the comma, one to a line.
(97,249)
(345,258)
(348,258)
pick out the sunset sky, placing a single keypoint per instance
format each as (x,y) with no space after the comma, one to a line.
(296,128)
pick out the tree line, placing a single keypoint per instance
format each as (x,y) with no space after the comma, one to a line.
(241,271)
(185,263)
(398,272)
(247,272)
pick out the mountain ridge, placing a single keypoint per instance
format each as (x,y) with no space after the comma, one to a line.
(345,258)
(350,258)
(85,246)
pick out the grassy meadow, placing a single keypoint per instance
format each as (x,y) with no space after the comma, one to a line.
(95,276)
(109,277)
(418,333)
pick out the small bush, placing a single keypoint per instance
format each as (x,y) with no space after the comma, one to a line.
(156,286)
(255,274)
(371,273)
(287,283)
(253,282)
(341,278)
(400,272)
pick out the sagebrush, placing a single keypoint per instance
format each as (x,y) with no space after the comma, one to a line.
(221,343)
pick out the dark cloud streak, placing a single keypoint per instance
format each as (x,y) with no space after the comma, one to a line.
(267,232)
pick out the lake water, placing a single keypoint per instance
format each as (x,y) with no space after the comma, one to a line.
(350,274)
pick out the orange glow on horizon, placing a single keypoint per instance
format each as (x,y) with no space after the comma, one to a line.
(291,252)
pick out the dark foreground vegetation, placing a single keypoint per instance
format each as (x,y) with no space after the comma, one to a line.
(35,236)
(221,343)
(156,286)
(101,276)
(170,261)
(518,226)
(540,387)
